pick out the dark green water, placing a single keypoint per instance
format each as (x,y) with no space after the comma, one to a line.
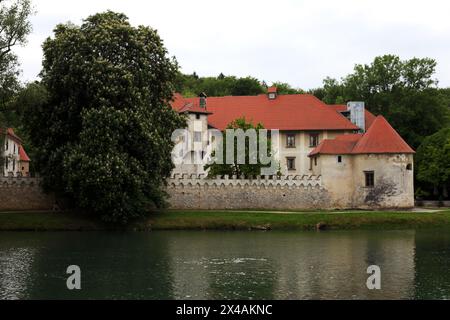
(226,265)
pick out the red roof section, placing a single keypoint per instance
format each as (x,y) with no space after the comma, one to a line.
(23,155)
(379,139)
(334,147)
(382,138)
(369,116)
(193,108)
(286,112)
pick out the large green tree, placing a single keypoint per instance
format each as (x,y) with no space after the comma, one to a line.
(193,85)
(14,28)
(104,134)
(404,91)
(433,162)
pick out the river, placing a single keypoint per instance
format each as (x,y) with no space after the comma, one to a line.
(414,264)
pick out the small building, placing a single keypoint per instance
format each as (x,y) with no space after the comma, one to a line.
(15,159)
(374,168)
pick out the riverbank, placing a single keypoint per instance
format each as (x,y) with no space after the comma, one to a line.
(231,220)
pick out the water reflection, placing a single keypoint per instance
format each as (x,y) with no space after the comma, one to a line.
(225,265)
(292,265)
(15,265)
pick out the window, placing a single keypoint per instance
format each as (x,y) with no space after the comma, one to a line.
(14,165)
(313,140)
(290,140)
(6,145)
(197,136)
(290,163)
(272,96)
(197,116)
(409,166)
(339,159)
(370,179)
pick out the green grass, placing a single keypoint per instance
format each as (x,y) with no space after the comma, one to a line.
(47,221)
(231,220)
(245,220)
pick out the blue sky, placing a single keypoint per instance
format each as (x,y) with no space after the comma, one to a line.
(299,42)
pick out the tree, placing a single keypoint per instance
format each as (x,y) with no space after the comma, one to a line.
(14,28)
(247,87)
(237,169)
(104,134)
(432,162)
(403,91)
(286,88)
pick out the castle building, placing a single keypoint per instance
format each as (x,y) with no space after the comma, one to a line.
(15,159)
(360,158)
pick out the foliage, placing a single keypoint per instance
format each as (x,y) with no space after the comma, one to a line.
(402,91)
(247,87)
(433,161)
(103,135)
(192,85)
(246,169)
(14,28)
(286,88)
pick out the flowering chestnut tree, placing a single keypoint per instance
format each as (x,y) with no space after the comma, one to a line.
(104,134)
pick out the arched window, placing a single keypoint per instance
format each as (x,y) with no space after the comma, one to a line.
(409,166)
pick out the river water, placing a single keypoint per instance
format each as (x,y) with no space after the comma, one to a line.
(226,265)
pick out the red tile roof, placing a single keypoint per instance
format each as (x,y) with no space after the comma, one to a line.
(23,155)
(334,147)
(287,112)
(193,108)
(369,116)
(380,138)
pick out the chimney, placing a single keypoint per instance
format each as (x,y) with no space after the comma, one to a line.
(272,93)
(357,114)
(203,98)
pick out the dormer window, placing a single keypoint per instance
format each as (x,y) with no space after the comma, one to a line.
(272,93)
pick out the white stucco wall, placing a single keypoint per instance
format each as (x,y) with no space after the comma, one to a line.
(11,156)
(345,181)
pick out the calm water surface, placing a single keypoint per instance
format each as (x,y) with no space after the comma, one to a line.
(226,265)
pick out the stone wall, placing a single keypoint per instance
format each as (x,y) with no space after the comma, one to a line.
(224,193)
(18,194)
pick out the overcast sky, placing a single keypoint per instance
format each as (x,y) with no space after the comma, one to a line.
(294,41)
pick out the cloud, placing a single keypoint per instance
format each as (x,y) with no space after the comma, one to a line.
(300,42)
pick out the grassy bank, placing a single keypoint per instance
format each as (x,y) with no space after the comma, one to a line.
(231,220)
(47,221)
(179,220)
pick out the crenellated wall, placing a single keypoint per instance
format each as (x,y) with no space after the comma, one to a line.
(224,193)
(21,194)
